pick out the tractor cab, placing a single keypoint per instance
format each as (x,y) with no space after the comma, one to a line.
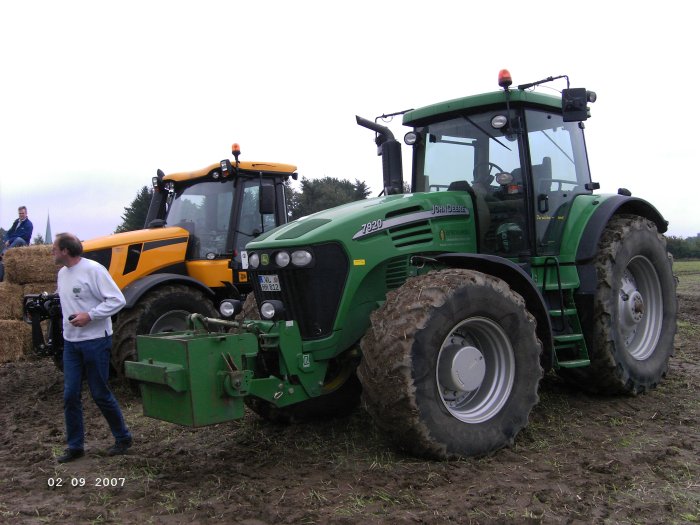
(222,207)
(517,154)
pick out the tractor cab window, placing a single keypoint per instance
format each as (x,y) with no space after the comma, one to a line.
(468,154)
(559,173)
(204,210)
(252,222)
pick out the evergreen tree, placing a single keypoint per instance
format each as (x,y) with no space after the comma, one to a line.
(38,239)
(328,192)
(292,199)
(135,214)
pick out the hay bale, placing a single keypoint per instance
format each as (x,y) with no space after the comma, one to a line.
(35,288)
(30,264)
(16,340)
(10,301)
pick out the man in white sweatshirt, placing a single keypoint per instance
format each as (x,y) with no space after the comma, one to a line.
(89,297)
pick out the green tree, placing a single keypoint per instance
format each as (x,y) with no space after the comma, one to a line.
(681,248)
(292,198)
(328,192)
(39,239)
(135,214)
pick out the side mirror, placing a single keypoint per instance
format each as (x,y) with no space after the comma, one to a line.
(574,104)
(267,199)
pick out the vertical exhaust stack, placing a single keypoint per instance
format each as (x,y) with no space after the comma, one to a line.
(390,150)
(157,206)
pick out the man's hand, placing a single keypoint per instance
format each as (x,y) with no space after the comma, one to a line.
(79,319)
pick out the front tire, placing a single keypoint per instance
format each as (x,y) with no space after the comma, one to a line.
(451,364)
(165,309)
(634,318)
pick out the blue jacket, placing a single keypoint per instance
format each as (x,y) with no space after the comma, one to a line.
(22,229)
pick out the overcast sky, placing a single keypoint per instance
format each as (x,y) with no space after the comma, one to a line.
(96,96)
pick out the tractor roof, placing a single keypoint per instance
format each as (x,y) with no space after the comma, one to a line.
(255,167)
(421,116)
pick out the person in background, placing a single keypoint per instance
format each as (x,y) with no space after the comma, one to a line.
(89,298)
(19,234)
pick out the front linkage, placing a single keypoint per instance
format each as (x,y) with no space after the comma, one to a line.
(45,307)
(202,376)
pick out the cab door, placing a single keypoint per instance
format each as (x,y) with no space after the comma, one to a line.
(559,170)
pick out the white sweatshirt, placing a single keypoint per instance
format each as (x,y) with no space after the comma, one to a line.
(88,287)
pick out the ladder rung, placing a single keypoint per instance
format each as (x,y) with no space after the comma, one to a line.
(567,311)
(571,338)
(574,363)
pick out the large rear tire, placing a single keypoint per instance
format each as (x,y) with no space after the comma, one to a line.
(451,364)
(634,317)
(164,309)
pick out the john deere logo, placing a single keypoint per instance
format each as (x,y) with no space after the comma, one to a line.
(442,235)
(265,259)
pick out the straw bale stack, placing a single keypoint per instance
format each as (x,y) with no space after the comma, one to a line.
(10,301)
(30,264)
(28,270)
(16,340)
(40,287)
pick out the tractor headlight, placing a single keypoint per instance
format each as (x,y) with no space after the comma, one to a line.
(301,258)
(282,259)
(229,308)
(499,121)
(253,260)
(272,310)
(411,138)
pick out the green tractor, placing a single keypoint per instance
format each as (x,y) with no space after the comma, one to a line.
(443,307)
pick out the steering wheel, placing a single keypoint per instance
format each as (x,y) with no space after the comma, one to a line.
(491,166)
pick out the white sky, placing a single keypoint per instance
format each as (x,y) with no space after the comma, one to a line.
(96,96)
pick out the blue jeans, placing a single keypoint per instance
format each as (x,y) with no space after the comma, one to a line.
(14,244)
(92,359)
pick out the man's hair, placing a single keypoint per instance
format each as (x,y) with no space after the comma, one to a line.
(22,208)
(68,241)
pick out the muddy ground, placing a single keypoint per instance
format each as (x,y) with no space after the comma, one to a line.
(582,459)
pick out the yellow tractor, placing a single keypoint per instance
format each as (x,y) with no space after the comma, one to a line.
(189,255)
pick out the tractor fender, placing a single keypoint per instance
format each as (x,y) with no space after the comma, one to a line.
(518,279)
(588,245)
(134,291)
(614,205)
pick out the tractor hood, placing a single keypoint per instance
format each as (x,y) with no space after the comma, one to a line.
(132,255)
(158,235)
(372,218)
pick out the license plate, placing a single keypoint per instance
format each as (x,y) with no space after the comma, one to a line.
(269,283)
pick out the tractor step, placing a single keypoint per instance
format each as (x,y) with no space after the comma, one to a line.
(569,338)
(567,312)
(574,363)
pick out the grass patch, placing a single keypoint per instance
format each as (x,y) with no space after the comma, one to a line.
(688,274)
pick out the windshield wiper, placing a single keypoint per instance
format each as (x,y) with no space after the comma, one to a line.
(484,131)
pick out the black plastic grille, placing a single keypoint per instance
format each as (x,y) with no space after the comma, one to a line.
(103,256)
(310,296)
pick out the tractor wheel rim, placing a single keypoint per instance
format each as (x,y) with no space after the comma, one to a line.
(640,308)
(475,370)
(172,321)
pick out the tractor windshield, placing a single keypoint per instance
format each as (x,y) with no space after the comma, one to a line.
(204,209)
(466,149)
